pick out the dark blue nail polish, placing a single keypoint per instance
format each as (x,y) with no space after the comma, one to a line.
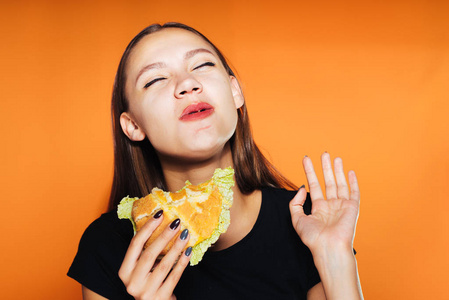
(175,224)
(188,251)
(184,234)
(302,186)
(158,214)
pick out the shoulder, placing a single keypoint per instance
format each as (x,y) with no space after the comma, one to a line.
(100,253)
(105,233)
(108,227)
(282,197)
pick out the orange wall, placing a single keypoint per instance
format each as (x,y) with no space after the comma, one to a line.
(368,82)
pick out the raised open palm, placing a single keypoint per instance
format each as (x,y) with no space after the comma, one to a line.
(333,219)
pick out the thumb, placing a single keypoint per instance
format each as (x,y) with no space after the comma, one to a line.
(298,201)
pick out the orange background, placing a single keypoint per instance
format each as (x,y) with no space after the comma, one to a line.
(365,81)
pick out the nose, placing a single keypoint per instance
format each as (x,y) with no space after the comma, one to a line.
(187,85)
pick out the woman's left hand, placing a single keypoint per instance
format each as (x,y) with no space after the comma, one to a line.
(333,219)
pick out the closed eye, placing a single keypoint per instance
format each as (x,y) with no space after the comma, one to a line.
(153,81)
(210,64)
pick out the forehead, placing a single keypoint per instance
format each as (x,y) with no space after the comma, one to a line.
(165,44)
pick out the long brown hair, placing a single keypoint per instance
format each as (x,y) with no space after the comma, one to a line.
(137,169)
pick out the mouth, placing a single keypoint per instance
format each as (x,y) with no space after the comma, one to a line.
(196,111)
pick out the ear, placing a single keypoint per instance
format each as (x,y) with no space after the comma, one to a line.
(130,128)
(237,92)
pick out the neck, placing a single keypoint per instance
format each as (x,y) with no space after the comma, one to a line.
(176,172)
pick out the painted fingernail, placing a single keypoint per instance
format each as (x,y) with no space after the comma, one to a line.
(184,234)
(305,156)
(175,224)
(302,186)
(188,251)
(158,214)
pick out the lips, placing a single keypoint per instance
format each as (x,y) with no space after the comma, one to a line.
(196,111)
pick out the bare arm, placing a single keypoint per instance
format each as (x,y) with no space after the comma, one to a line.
(316,292)
(90,295)
(339,275)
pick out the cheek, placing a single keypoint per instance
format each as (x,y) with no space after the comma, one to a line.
(162,138)
(233,118)
(157,128)
(228,123)
(154,120)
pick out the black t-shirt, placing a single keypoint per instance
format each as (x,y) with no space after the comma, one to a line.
(270,262)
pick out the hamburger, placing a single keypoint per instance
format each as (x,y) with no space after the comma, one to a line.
(203,209)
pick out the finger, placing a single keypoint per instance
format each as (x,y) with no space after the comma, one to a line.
(353,183)
(150,254)
(135,247)
(296,204)
(342,186)
(172,280)
(329,180)
(314,185)
(166,264)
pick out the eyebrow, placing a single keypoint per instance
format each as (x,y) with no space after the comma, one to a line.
(159,65)
(194,52)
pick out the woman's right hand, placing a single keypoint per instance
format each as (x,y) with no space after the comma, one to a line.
(143,278)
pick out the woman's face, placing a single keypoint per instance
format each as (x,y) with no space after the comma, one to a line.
(180,96)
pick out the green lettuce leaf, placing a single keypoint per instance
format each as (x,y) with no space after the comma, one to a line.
(125,208)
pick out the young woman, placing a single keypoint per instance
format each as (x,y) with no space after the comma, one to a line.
(178,114)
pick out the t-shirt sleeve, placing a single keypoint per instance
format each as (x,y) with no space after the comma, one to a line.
(99,257)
